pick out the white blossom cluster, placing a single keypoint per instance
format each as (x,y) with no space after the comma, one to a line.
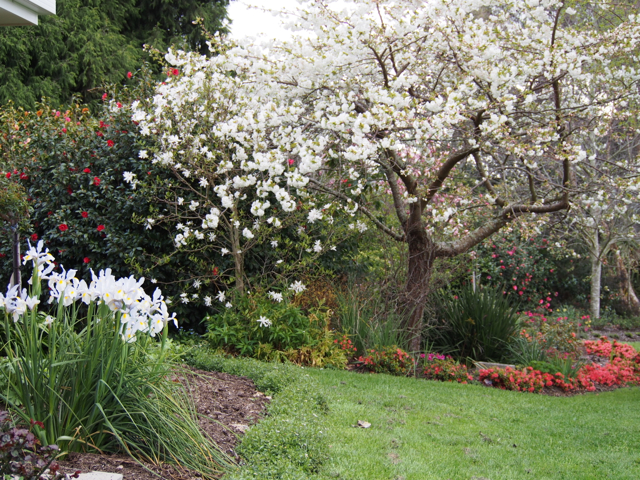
(138,312)
(381,95)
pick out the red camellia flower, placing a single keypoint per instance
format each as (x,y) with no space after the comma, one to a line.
(23,176)
(87,170)
(119,105)
(63,227)
(104,96)
(100,228)
(69,190)
(86,260)
(34,237)
(96,181)
(8,175)
(84,214)
(64,130)
(110,143)
(99,133)
(175,72)
(129,74)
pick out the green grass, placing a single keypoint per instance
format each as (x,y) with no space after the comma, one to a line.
(428,430)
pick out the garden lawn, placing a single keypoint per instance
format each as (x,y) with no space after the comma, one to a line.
(428,430)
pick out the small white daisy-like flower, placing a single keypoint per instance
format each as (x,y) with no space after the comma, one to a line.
(264,321)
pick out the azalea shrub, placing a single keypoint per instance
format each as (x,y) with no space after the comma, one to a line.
(268,325)
(622,369)
(92,363)
(612,350)
(530,380)
(545,336)
(389,359)
(444,369)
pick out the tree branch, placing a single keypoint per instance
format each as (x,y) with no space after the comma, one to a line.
(444,171)
(320,187)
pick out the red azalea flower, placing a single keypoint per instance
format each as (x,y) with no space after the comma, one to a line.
(84,214)
(34,237)
(86,260)
(63,227)
(103,125)
(119,105)
(176,72)
(100,228)
(96,181)
(87,170)
(104,96)
(64,130)
(129,74)
(110,143)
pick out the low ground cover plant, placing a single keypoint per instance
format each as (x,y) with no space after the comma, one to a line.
(291,441)
(267,326)
(22,455)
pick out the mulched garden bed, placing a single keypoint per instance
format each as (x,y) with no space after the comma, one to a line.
(228,405)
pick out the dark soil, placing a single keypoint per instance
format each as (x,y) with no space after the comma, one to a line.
(228,406)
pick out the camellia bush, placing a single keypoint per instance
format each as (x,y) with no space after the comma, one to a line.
(89,364)
(461,115)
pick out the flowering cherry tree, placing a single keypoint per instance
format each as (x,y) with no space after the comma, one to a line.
(463,115)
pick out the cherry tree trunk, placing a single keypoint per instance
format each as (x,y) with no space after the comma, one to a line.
(628,293)
(420,265)
(596,276)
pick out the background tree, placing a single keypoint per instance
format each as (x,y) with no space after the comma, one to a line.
(463,115)
(90,43)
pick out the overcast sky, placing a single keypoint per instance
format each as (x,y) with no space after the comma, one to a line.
(249,22)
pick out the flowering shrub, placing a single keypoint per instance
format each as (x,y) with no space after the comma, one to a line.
(554,333)
(530,380)
(445,369)
(345,343)
(526,268)
(619,371)
(612,350)
(391,360)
